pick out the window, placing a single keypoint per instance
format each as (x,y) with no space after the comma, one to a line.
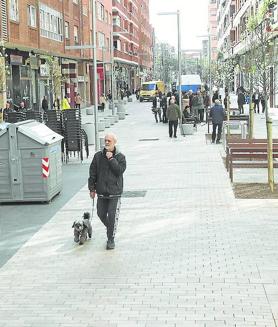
(67,35)
(131,28)
(106,16)
(51,23)
(101,40)
(126,25)
(14,10)
(117,45)
(32,16)
(75,34)
(117,21)
(75,1)
(100,11)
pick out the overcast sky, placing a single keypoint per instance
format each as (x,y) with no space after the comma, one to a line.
(194,21)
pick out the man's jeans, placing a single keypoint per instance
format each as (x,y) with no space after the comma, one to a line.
(219,131)
(173,124)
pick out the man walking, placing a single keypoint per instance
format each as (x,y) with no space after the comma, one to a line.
(217,114)
(240,101)
(173,115)
(256,101)
(106,180)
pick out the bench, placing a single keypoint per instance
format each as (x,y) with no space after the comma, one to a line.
(249,154)
(234,142)
(232,118)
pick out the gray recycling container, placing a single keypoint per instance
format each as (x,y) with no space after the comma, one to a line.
(30,162)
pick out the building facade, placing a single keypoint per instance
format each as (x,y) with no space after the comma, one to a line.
(132,41)
(232,19)
(35,36)
(212,28)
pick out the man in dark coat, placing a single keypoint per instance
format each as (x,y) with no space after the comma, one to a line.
(173,115)
(44,104)
(240,101)
(217,115)
(164,108)
(256,101)
(106,180)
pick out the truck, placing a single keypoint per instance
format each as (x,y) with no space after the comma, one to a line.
(150,89)
(190,82)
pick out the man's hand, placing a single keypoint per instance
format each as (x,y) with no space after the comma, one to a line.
(109,155)
(92,194)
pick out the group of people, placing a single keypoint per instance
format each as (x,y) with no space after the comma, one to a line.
(165,108)
(257,99)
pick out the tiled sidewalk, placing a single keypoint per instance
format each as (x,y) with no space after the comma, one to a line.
(187,253)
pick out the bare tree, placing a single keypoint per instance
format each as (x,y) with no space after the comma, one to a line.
(265,58)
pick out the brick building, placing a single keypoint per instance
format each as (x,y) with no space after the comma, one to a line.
(212,27)
(132,42)
(34,37)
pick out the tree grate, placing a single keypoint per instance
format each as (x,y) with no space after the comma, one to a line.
(134,194)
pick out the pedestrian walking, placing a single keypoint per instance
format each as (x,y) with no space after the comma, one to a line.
(164,108)
(262,103)
(256,101)
(217,115)
(102,102)
(65,103)
(240,101)
(77,101)
(44,104)
(56,104)
(106,180)
(156,109)
(173,116)
(215,96)
(198,106)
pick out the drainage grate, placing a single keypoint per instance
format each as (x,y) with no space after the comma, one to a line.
(134,194)
(150,139)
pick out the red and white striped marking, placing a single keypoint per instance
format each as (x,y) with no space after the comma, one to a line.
(45,167)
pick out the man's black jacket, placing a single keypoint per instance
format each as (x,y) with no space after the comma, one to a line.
(106,176)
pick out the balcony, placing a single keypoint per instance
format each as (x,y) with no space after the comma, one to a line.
(128,57)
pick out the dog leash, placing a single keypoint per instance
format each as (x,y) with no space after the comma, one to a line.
(93,208)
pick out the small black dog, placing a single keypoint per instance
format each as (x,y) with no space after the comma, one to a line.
(82,229)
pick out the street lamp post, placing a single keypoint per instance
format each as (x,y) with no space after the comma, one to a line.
(177,13)
(208,36)
(95,73)
(112,74)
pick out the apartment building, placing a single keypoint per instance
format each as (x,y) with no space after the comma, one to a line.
(132,39)
(145,54)
(35,36)
(212,28)
(225,12)
(232,19)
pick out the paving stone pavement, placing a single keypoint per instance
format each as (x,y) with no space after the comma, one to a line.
(187,253)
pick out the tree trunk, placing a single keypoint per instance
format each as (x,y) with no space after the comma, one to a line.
(251,111)
(270,169)
(228,113)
